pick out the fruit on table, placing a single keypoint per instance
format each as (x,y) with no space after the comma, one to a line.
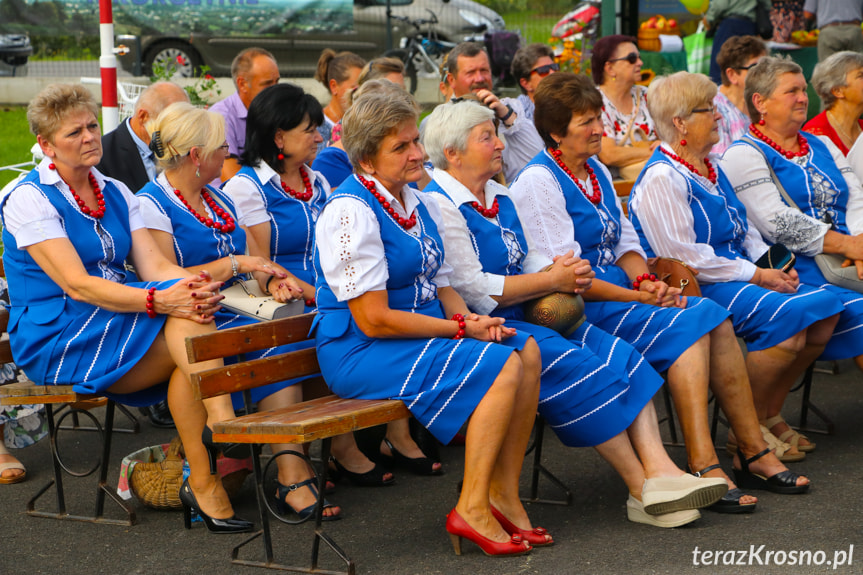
(659,23)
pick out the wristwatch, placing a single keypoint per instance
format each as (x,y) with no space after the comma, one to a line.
(508,115)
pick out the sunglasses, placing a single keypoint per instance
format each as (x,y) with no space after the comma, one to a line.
(543,71)
(632,58)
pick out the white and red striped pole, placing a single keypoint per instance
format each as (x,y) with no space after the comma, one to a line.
(108,68)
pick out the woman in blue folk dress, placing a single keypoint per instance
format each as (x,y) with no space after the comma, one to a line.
(76,316)
(567,202)
(684,207)
(816,177)
(382,329)
(196,226)
(589,399)
(279,198)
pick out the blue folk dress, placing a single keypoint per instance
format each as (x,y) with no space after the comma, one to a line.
(440,380)
(659,334)
(196,244)
(823,195)
(586,398)
(762,317)
(292,222)
(57,340)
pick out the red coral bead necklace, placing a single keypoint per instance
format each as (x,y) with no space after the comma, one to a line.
(97,191)
(594,197)
(303,196)
(711,172)
(371,187)
(227,227)
(801,142)
(486,212)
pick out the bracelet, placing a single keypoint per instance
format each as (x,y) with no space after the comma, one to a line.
(508,115)
(643,277)
(461,326)
(235,268)
(268,284)
(151,307)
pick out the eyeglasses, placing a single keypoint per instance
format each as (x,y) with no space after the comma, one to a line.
(543,71)
(224,147)
(711,109)
(632,58)
(749,67)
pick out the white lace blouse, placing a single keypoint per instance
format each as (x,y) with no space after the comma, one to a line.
(779,223)
(31,218)
(542,209)
(661,201)
(250,205)
(475,286)
(350,248)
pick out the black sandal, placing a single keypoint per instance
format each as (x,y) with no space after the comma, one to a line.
(372,478)
(730,502)
(312,484)
(418,466)
(784,482)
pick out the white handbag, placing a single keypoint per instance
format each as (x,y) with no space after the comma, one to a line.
(246,298)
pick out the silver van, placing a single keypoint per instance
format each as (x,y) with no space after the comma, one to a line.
(212,32)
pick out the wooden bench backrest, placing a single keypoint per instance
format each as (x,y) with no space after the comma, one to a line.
(622,188)
(253,373)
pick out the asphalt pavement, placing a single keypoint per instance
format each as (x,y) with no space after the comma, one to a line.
(400,529)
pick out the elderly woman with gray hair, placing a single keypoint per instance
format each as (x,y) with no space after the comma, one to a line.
(801,193)
(390,326)
(491,254)
(683,207)
(838,81)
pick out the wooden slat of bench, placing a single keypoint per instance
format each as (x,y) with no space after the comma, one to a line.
(22,393)
(237,340)
(254,373)
(309,420)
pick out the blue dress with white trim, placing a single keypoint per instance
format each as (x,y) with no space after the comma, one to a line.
(586,397)
(440,380)
(822,195)
(660,334)
(196,244)
(762,317)
(59,341)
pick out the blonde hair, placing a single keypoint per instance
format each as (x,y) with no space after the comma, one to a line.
(181,127)
(675,96)
(51,106)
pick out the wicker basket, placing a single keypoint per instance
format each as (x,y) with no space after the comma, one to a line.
(157,484)
(648,40)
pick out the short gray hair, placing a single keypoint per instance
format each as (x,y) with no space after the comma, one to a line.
(763,79)
(832,72)
(449,126)
(675,96)
(154,100)
(377,111)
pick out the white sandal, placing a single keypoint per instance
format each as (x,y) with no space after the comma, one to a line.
(10,465)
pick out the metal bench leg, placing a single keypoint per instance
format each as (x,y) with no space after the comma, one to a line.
(102,488)
(539,468)
(669,415)
(266,532)
(806,406)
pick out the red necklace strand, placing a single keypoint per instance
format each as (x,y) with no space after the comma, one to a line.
(100,198)
(227,227)
(371,187)
(307,185)
(711,172)
(596,196)
(488,213)
(801,141)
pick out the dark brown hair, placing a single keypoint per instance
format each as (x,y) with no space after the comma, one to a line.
(558,98)
(738,50)
(603,50)
(332,66)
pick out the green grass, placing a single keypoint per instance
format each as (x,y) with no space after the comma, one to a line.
(534,27)
(15,141)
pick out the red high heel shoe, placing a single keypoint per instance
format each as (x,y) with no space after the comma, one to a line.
(537,537)
(457,528)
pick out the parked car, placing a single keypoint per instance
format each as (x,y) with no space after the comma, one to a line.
(15,50)
(295,47)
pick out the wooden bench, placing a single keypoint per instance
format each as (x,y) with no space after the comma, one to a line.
(74,406)
(321,418)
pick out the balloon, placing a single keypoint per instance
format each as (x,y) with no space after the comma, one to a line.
(698,7)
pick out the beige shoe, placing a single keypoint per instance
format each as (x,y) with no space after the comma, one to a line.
(791,436)
(662,495)
(780,448)
(635,513)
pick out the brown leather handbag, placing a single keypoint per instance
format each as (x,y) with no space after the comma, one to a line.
(676,274)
